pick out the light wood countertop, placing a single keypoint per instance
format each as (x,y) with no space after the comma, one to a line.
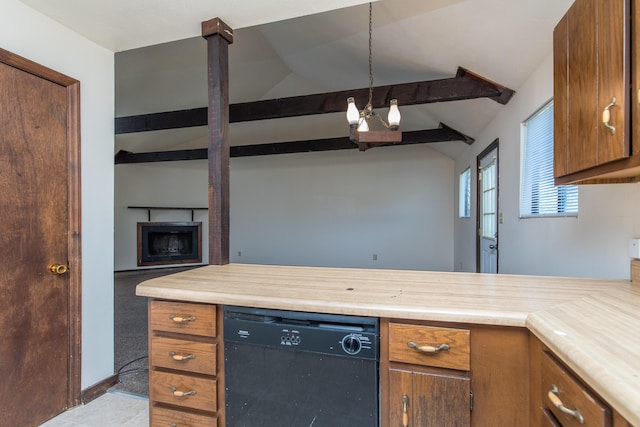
(600,317)
(598,337)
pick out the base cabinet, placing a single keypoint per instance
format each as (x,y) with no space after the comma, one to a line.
(428,399)
(185,370)
(560,399)
(450,374)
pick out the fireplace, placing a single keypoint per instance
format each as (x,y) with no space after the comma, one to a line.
(161,243)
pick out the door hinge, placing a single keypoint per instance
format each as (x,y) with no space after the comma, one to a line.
(470,400)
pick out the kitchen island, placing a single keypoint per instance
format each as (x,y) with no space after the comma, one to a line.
(591,325)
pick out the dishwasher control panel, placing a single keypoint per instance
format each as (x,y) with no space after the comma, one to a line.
(349,336)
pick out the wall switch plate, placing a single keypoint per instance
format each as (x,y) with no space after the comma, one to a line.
(634,248)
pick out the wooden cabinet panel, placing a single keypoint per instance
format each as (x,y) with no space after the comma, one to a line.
(431,399)
(184,355)
(581,407)
(183,318)
(582,91)
(401,385)
(183,390)
(592,70)
(560,97)
(456,357)
(163,417)
(548,419)
(613,74)
(442,400)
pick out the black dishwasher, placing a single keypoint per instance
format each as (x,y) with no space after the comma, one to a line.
(294,369)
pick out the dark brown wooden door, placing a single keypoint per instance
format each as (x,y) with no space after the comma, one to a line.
(36,378)
(432,399)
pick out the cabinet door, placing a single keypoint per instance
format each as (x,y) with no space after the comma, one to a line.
(432,399)
(591,75)
(582,92)
(613,22)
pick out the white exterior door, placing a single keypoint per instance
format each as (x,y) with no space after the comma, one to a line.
(487,236)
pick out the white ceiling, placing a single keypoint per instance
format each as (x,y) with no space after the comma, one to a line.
(413,40)
(127,24)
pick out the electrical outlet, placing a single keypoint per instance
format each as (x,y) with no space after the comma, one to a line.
(375,257)
(239,253)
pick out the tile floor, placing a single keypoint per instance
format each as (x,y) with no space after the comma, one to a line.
(113,409)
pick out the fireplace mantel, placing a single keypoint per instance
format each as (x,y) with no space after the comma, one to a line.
(168,208)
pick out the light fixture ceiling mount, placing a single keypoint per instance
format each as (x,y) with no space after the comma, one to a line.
(360,122)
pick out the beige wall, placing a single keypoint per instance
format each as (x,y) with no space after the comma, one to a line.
(36,37)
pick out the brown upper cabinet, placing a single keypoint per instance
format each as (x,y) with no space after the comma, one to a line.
(595,93)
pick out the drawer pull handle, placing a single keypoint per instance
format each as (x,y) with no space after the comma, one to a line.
(429,349)
(405,414)
(181,357)
(606,116)
(182,319)
(553,397)
(178,393)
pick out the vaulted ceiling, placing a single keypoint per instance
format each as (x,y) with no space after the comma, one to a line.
(413,40)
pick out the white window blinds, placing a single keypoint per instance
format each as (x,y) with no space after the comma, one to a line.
(538,194)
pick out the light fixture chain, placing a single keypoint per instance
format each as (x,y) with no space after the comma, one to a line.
(370,104)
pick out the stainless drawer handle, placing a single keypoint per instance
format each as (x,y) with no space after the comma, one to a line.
(429,349)
(182,319)
(178,393)
(181,357)
(606,116)
(553,397)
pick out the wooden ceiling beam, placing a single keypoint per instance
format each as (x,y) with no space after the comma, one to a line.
(465,85)
(441,134)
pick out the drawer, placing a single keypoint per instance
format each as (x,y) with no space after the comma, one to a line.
(560,387)
(182,317)
(184,355)
(183,390)
(418,345)
(163,417)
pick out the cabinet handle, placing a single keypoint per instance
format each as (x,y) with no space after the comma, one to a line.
(405,414)
(553,397)
(606,116)
(429,349)
(182,319)
(181,357)
(178,393)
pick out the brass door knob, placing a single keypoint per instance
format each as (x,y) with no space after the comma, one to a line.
(58,268)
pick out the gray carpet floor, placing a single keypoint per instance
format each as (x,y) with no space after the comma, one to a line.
(130,330)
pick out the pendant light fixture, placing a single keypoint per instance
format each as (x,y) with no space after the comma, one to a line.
(361,123)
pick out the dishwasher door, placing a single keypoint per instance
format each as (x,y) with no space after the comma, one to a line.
(285,385)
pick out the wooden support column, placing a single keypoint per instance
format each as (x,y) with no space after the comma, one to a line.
(219,36)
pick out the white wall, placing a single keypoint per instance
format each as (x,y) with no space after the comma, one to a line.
(592,245)
(36,37)
(164,184)
(322,209)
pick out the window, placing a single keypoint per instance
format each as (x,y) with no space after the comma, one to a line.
(464,205)
(538,195)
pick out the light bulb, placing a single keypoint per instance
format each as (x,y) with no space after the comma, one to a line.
(353,115)
(394,115)
(363,126)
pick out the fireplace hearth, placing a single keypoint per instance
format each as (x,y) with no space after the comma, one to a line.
(161,243)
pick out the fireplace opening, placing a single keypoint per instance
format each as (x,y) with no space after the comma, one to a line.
(161,243)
